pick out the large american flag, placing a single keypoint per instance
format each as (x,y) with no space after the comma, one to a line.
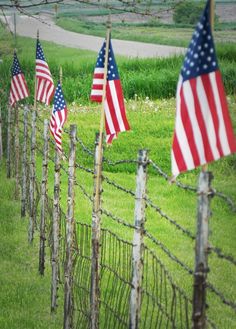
(203,130)
(59,116)
(45,85)
(18,89)
(115,115)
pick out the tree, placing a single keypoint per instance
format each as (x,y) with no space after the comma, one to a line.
(188,12)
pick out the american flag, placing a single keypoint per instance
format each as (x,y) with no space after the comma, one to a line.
(115,115)
(59,115)
(203,129)
(18,89)
(45,85)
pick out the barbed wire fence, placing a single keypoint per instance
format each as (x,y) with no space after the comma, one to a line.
(132,279)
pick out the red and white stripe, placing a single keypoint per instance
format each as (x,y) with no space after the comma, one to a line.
(56,123)
(115,115)
(18,89)
(203,129)
(97,87)
(45,85)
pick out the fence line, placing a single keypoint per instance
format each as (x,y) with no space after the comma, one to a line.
(161,301)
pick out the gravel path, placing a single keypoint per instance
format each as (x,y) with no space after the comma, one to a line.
(27,26)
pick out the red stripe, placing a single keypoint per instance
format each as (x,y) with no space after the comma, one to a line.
(97,87)
(98,75)
(96,98)
(188,128)
(207,148)
(225,112)
(211,101)
(178,155)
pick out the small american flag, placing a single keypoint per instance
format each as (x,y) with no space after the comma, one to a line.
(59,116)
(18,89)
(45,85)
(115,115)
(203,129)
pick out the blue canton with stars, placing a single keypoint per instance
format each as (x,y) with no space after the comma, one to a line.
(112,71)
(201,57)
(39,52)
(59,101)
(15,70)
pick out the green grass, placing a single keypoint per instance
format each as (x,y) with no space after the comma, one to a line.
(152,124)
(25,295)
(151,32)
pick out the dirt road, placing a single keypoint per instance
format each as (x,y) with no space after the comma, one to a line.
(48,31)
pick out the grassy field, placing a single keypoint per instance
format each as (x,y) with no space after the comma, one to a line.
(25,295)
(152,124)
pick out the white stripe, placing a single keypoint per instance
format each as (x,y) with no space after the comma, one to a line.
(96,92)
(99,70)
(13,91)
(180,133)
(109,119)
(207,117)
(189,100)
(97,81)
(116,105)
(222,130)
(174,167)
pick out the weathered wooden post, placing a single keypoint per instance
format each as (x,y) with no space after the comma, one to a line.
(1,148)
(17,152)
(43,200)
(32,214)
(24,164)
(70,227)
(139,220)
(96,228)
(201,250)
(55,232)
(9,142)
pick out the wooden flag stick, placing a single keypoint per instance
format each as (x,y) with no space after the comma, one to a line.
(212,17)
(102,119)
(60,76)
(35,82)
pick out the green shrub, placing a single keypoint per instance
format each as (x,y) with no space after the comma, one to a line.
(188,12)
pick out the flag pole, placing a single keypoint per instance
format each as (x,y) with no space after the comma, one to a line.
(102,119)
(60,76)
(35,82)
(212,18)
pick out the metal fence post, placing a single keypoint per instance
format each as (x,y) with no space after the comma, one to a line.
(9,142)
(32,214)
(139,220)
(24,165)
(96,228)
(55,233)
(1,148)
(70,233)
(201,250)
(43,200)
(17,152)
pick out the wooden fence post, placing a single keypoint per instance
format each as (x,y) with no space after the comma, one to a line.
(43,200)
(17,152)
(201,250)
(55,233)
(96,228)
(9,142)
(70,233)
(24,165)
(1,148)
(139,220)
(32,214)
